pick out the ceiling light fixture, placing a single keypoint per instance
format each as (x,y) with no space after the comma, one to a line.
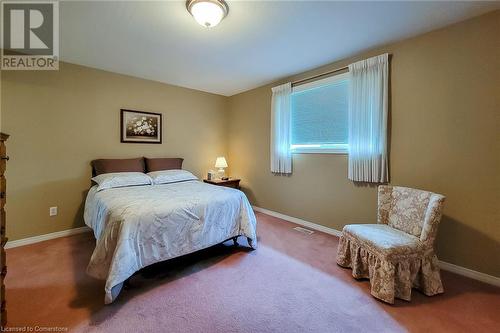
(208,13)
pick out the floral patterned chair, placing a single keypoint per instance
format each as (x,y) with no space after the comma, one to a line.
(397,253)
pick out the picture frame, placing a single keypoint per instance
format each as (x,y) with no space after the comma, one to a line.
(140,127)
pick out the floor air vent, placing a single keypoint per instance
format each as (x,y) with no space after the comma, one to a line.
(303,230)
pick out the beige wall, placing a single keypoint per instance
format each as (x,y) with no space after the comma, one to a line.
(445,111)
(60,120)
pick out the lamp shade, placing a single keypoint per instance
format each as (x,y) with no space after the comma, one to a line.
(220,162)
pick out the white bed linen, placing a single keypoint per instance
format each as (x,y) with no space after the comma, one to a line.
(137,226)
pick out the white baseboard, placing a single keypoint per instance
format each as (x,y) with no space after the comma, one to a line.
(489,279)
(301,222)
(41,238)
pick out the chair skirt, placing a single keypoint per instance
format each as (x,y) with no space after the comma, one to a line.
(391,276)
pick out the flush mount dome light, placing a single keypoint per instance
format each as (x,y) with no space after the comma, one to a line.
(208,13)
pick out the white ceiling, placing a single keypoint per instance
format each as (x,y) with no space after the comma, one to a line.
(257,43)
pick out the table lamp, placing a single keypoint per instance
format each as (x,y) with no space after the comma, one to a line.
(221,164)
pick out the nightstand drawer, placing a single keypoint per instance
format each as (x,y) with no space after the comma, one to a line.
(233,183)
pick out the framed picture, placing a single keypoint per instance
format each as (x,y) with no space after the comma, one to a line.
(140,127)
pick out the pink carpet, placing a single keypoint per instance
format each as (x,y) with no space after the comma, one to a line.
(289,284)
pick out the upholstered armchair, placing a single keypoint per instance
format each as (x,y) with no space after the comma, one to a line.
(397,253)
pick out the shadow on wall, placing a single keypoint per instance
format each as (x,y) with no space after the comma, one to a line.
(250,195)
(457,244)
(368,185)
(78,219)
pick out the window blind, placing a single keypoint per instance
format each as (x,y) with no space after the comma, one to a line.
(319,114)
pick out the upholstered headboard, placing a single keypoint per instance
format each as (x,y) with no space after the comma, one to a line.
(117,165)
(157,164)
(139,164)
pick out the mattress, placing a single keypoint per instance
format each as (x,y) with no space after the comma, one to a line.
(137,226)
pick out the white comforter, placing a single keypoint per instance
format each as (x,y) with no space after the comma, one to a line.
(140,225)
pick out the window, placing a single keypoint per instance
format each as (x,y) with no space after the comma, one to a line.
(319,116)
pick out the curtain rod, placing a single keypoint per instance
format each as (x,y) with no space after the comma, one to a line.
(299,82)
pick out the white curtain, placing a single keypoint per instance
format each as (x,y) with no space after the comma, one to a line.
(368,108)
(281,156)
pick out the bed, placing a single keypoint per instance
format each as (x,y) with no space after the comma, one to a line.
(139,225)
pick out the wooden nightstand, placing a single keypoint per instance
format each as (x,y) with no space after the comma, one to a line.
(231,182)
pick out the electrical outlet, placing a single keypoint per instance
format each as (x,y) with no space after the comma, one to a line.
(52,211)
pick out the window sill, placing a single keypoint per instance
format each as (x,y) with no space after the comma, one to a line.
(340,148)
(320,151)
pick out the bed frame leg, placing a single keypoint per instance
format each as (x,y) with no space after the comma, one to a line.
(235,241)
(250,242)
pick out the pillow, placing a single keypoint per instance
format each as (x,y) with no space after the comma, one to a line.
(158,164)
(171,176)
(121,179)
(117,165)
